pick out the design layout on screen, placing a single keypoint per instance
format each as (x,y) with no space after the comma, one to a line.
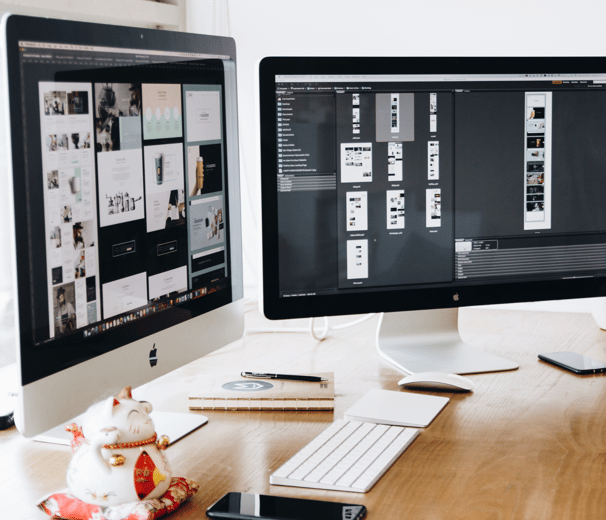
(396,181)
(134,198)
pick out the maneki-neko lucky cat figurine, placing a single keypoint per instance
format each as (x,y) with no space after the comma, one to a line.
(118,457)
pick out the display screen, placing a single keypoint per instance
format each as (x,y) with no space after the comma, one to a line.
(420,181)
(125,163)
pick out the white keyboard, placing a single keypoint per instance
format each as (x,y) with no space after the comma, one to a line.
(346,456)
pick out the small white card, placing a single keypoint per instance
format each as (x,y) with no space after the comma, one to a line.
(397,408)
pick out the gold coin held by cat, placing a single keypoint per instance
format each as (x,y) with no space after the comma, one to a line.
(163,442)
(117,460)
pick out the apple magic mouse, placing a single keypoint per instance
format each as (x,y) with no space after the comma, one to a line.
(437,381)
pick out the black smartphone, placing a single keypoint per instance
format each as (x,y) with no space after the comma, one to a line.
(574,362)
(249,506)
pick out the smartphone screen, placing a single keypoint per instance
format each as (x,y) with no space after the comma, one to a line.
(574,362)
(248,506)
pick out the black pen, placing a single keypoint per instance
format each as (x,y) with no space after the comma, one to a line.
(289,377)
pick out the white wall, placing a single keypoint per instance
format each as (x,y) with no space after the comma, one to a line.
(382,28)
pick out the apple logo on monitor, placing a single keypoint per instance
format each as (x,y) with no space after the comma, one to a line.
(153,359)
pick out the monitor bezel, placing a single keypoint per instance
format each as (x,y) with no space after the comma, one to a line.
(20,28)
(395,299)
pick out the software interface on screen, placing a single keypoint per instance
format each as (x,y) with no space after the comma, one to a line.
(408,180)
(125,156)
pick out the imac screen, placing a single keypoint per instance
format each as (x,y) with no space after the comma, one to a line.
(122,185)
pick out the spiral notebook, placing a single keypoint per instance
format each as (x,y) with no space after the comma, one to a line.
(233,392)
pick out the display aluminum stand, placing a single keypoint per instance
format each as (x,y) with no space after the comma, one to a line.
(429,341)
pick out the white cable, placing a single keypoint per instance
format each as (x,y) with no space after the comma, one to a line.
(324,332)
(276,329)
(352,323)
(323,335)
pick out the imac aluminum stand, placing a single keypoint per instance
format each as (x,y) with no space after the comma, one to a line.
(429,341)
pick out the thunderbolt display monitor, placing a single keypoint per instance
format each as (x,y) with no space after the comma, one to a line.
(426,184)
(125,207)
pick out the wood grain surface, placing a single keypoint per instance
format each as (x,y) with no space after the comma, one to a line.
(526,444)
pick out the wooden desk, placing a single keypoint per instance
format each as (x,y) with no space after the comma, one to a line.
(527,444)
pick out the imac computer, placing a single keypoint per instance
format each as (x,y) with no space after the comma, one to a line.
(125,207)
(415,186)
